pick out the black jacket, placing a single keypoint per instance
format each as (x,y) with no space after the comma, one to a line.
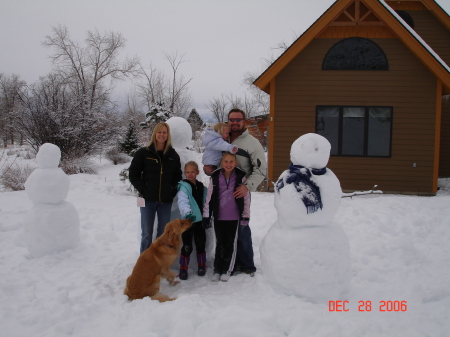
(155,178)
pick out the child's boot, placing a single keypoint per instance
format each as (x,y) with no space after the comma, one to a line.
(184,264)
(201,259)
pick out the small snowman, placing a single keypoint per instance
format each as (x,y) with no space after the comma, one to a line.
(52,225)
(305,253)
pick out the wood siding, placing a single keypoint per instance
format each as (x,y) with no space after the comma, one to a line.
(432,32)
(407,86)
(444,160)
(437,36)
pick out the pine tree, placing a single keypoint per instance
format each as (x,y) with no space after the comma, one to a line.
(130,140)
(157,114)
(195,121)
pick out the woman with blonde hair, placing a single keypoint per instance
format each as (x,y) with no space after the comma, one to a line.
(155,172)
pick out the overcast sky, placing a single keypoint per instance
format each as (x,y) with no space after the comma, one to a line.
(221,40)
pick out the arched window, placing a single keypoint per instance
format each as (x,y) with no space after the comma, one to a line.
(355,53)
(406,17)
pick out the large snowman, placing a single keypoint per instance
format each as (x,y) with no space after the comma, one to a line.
(305,253)
(52,225)
(181,135)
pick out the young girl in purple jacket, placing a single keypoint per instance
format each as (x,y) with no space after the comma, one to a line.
(229,214)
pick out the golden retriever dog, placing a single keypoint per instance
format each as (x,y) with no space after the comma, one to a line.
(154,263)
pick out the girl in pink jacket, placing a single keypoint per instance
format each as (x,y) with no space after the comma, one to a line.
(227,212)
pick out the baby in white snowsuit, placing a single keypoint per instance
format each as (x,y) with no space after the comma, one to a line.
(215,141)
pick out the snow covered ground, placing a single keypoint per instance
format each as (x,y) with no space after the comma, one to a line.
(399,249)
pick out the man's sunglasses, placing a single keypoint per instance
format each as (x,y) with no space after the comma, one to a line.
(236,120)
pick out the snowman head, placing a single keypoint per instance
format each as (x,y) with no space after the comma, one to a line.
(311,150)
(180,132)
(48,156)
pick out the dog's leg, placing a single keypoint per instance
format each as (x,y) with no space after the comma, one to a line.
(169,275)
(154,291)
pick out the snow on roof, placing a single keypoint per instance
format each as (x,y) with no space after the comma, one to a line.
(417,36)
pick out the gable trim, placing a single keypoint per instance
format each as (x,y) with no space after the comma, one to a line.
(414,43)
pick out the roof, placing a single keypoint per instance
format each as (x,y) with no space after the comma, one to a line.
(389,18)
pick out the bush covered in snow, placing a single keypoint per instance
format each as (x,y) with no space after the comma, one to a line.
(14,176)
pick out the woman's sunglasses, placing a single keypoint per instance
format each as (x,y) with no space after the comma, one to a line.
(235,120)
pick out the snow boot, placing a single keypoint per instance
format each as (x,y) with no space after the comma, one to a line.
(201,259)
(184,264)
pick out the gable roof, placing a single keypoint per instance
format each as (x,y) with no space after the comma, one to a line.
(388,17)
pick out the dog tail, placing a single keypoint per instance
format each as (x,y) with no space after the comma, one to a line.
(162,298)
(125,291)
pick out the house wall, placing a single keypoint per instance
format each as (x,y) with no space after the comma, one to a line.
(408,86)
(437,36)
(433,32)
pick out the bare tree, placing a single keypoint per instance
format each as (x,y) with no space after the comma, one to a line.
(260,101)
(52,113)
(234,102)
(153,90)
(91,69)
(179,99)
(219,108)
(9,87)
(170,92)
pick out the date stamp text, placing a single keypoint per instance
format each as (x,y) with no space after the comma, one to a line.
(382,306)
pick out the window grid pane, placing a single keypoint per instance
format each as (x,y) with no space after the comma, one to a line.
(379,131)
(353,125)
(356,131)
(327,125)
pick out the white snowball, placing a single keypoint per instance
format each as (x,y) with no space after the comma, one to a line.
(51,228)
(47,186)
(48,156)
(311,150)
(312,263)
(291,210)
(180,132)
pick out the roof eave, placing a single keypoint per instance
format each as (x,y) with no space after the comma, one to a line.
(415,46)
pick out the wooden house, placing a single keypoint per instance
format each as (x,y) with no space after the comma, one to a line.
(372,77)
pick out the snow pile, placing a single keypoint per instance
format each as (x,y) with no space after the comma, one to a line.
(305,253)
(52,225)
(398,247)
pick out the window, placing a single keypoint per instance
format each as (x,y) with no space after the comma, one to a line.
(355,53)
(356,130)
(407,18)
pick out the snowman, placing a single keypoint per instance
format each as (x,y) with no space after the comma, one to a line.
(52,225)
(305,253)
(181,135)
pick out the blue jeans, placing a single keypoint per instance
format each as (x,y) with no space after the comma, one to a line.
(244,256)
(148,214)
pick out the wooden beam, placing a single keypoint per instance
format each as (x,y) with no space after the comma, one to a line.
(437,135)
(271,131)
